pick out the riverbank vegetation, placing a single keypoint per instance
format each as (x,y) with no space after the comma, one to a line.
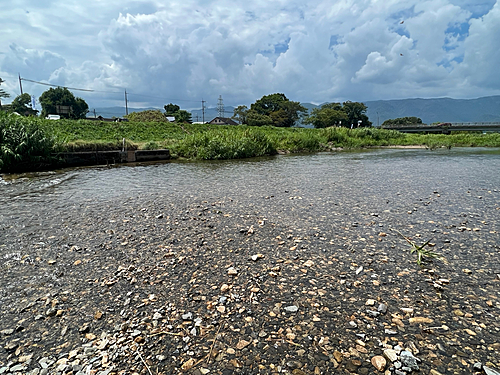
(30,141)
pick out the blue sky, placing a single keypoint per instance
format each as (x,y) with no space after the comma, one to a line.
(312,51)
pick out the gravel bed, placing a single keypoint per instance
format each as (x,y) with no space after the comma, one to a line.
(289,283)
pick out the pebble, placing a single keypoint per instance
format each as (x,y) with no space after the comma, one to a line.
(382,308)
(187,316)
(292,308)
(408,360)
(391,355)
(490,371)
(379,362)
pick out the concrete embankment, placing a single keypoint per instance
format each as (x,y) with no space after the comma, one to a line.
(112,157)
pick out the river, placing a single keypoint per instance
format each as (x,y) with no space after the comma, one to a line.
(320,235)
(372,172)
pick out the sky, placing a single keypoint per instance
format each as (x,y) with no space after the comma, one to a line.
(313,51)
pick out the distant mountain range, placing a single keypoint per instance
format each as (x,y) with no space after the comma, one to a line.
(486,109)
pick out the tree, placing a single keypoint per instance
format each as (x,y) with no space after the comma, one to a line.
(22,105)
(61,96)
(183,116)
(356,114)
(171,109)
(3,93)
(281,111)
(403,121)
(179,114)
(240,114)
(256,119)
(330,114)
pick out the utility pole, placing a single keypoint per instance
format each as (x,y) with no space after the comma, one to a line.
(20,83)
(203,109)
(95,116)
(126,103)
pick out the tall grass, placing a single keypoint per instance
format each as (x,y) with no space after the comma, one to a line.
(23,144)
(223,143)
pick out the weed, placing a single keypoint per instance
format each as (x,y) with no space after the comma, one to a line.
(419,249)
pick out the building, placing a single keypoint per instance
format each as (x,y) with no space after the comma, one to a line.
(223,121)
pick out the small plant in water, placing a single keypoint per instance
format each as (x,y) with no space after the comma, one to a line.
(419,249)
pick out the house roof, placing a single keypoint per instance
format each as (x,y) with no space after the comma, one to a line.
(223,120)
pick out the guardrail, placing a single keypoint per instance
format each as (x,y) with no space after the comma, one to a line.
(445,128)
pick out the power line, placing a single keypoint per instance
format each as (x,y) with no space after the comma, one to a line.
(109,92)
(48,84)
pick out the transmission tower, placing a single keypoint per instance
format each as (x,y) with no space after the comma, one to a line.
(220,107)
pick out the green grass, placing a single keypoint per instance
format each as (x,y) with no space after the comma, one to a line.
(423,254)
(23,144)
(204,141)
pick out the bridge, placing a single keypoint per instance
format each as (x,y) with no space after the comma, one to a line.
(446,128)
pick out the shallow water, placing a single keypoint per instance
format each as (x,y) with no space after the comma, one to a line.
(374,173)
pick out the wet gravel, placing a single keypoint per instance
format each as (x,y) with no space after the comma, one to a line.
(258,282)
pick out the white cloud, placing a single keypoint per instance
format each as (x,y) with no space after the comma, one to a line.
(315,51)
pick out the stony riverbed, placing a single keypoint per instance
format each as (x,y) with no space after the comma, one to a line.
(268,282)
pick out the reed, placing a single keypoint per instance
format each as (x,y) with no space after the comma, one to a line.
(23,145)
(224,143)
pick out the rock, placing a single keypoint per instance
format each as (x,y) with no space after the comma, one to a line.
(370,302)
(7,332)
(379,363)
(224,288)
(308,263)
(187,316)
(408,360)
(390,332)
(338,356)
(256,257)
(17,368)
(51,312)
(232,271)
(294,364)
(419,319)
(352,365)
(292,308)
(242,344)
(478,366)
(487,370)
(382,308)
(391,355)
(157,316)
(11,346)
(434,372)
(188,364)
(359,270)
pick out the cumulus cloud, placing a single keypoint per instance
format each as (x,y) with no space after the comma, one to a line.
(315,51)
(31,61)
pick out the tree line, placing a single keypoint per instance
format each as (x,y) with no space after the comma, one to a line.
(274,110)
(278,110)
